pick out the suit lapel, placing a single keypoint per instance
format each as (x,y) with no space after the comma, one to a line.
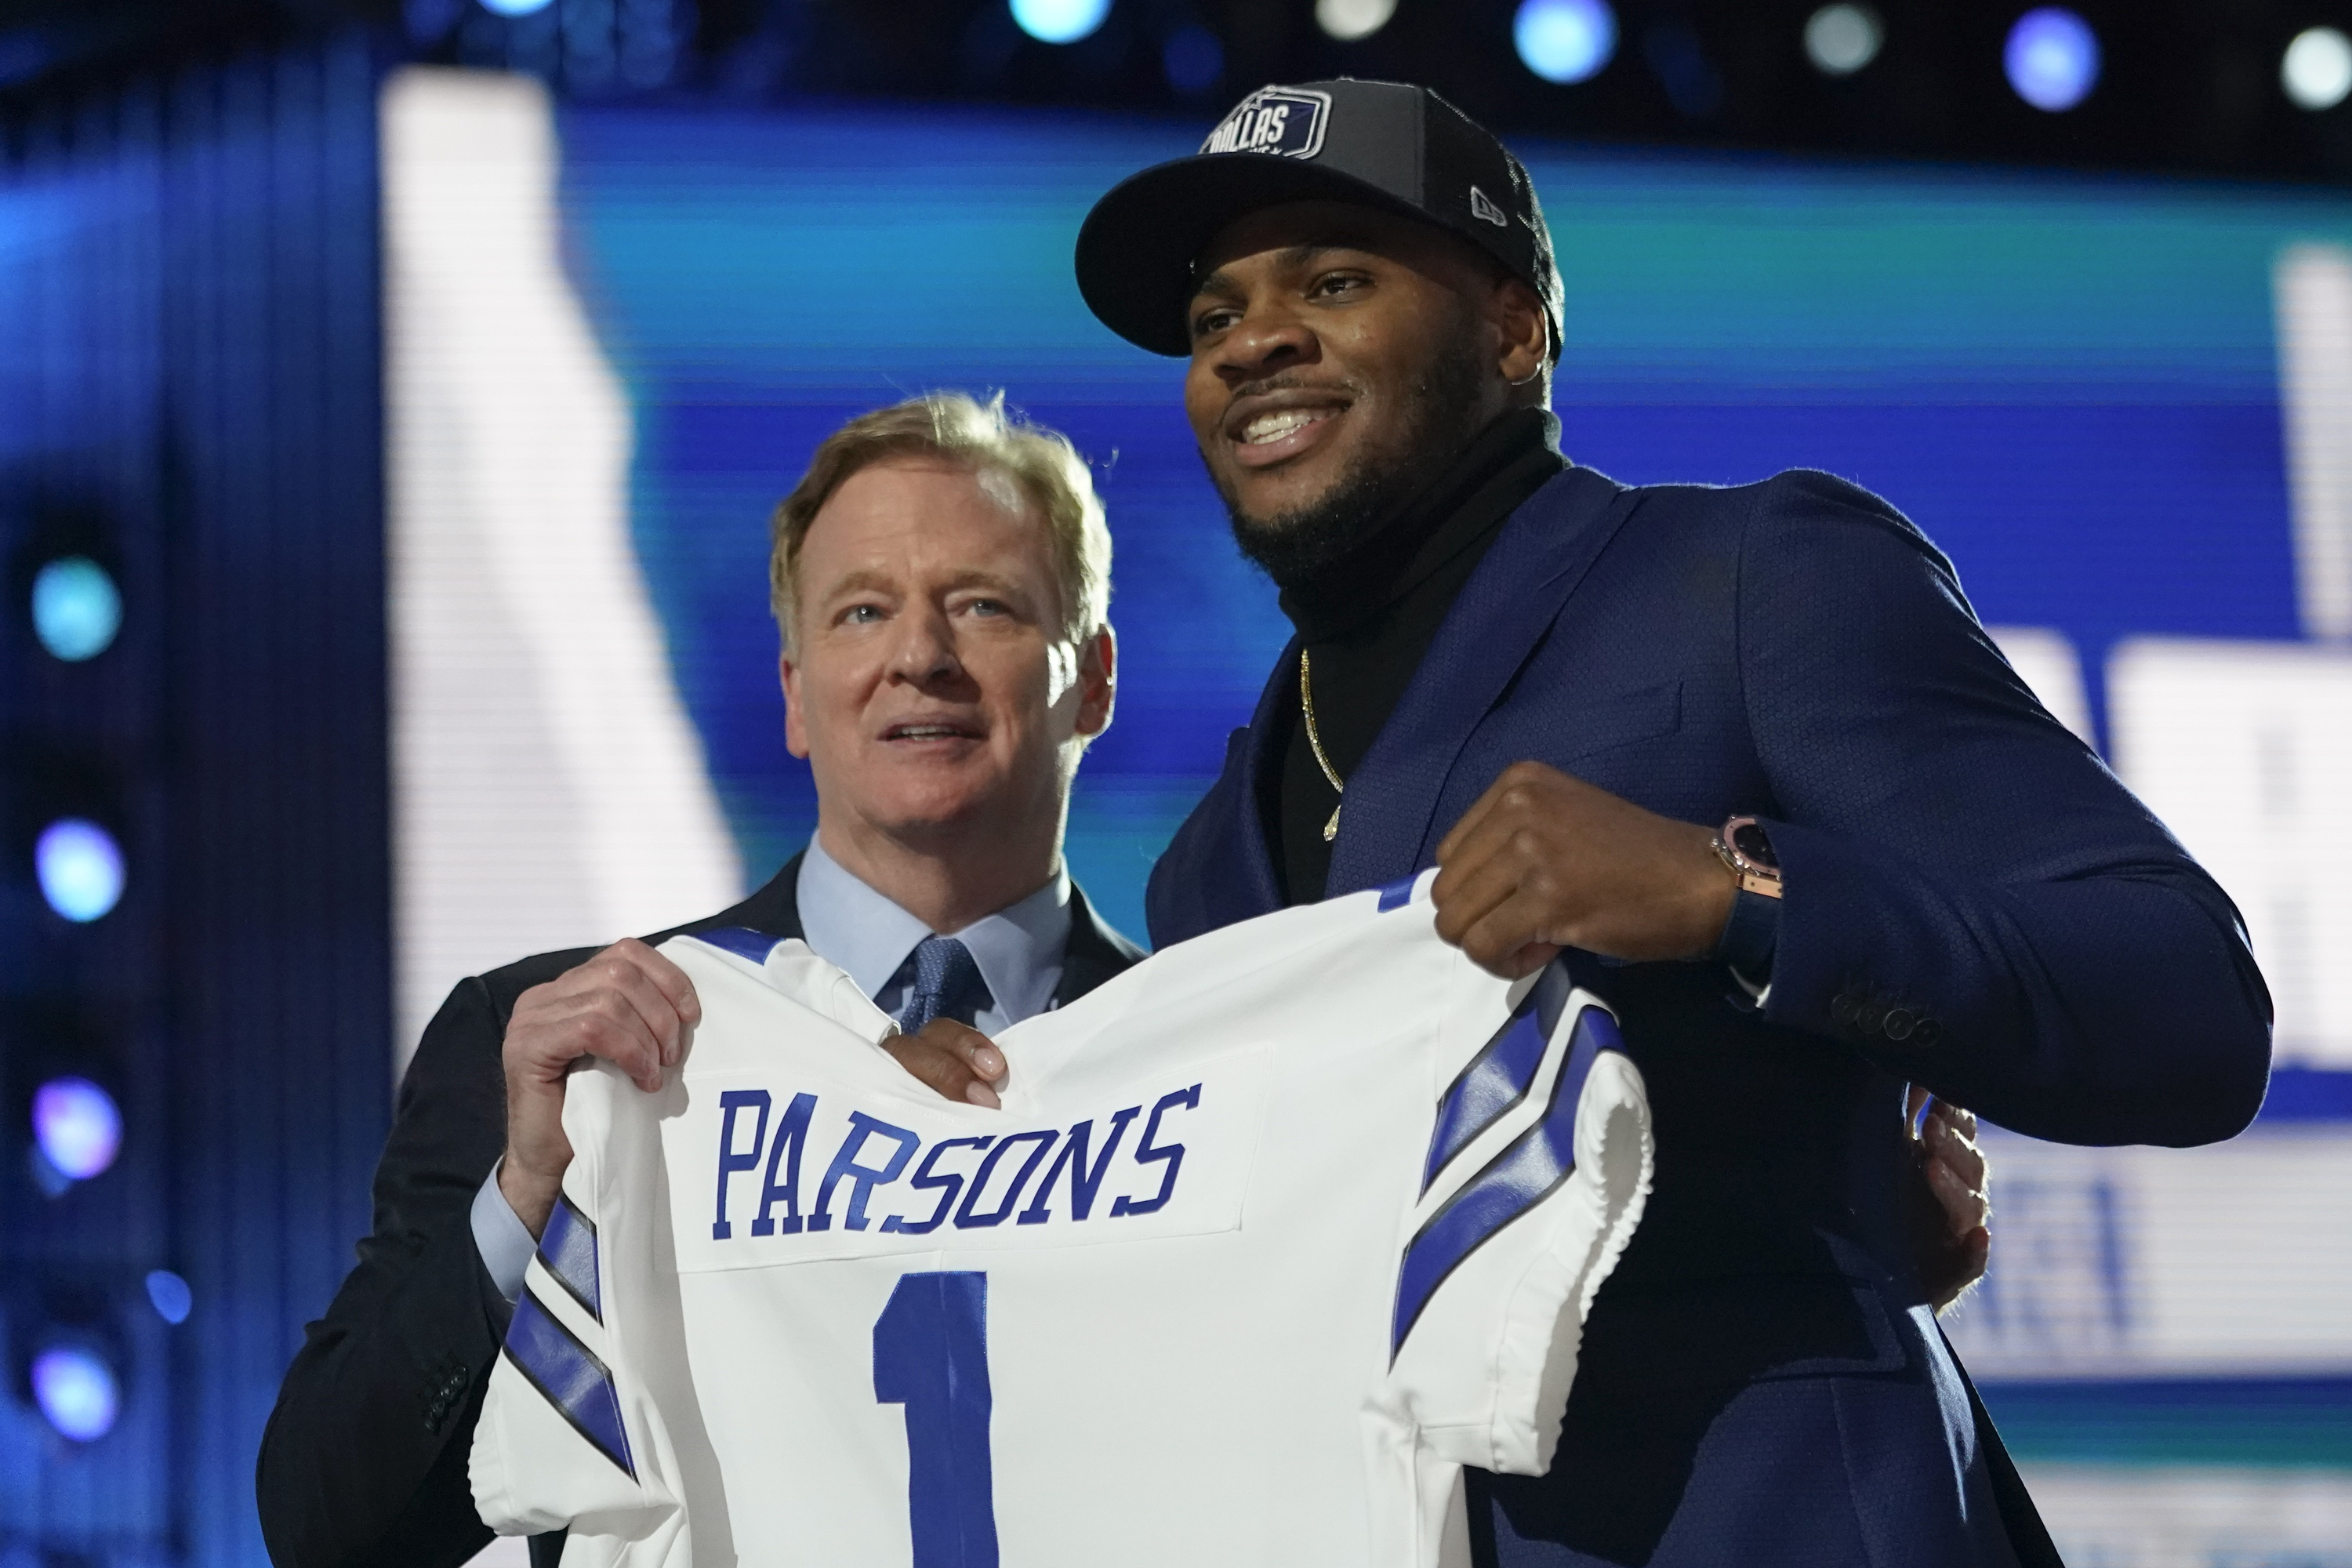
(1262,891)
(1518,591)
(1096,952)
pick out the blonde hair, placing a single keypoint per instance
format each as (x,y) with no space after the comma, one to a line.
(996,446)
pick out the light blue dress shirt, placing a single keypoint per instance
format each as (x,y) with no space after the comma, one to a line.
(846,923)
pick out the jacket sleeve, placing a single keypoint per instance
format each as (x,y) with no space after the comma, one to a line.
(1972,898)
(364,1457)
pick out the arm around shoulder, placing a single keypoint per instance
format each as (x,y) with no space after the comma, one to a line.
(1971,898)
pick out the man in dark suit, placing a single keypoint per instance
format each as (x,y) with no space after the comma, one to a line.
(942,577)
(1745,755)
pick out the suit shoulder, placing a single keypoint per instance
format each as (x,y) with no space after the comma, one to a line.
(1793,499)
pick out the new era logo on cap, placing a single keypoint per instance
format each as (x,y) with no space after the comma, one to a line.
(1483,207)
(1287,121)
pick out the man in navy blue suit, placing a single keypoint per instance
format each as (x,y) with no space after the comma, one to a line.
(1744,754)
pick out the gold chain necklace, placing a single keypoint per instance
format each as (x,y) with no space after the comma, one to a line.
(1315,744)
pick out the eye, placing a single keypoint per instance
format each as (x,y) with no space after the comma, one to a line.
(1212,321)
(1336,285)
(987,607)
(861,615)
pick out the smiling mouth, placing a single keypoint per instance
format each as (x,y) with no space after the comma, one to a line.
(1267,428)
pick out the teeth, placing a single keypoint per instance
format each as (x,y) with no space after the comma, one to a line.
(1274,427)
(925,731)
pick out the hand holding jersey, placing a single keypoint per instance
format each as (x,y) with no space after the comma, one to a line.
(755,1266)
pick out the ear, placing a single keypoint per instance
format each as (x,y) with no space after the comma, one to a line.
(795,727)
(1523,328)
(1098,682)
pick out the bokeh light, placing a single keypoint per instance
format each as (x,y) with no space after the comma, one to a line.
(76,1392)
(79,867)
(516,7)
(169,1295)
(77,609)
(1565,40)
(1060,21)
(2053,58)
(2317,70)
(1194,60)
(1842,39)
(1347,20)
(76,1126)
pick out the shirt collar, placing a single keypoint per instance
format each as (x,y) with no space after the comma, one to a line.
(1019,948)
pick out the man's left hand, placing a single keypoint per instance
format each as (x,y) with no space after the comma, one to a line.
(1544,861)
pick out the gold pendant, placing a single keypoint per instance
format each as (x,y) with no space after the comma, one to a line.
(1331,828)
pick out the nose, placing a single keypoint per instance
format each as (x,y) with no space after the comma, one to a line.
(1267,339)
(925,653)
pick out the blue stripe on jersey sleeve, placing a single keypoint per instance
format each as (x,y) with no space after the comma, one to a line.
(1498,1076)
(569,1251)
(571,1378)
(740,940)
(1517,1180)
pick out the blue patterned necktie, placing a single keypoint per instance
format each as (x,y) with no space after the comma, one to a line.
(947,984)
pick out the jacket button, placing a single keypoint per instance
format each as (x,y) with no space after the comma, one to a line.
(1842,1006)
(1900,1023)
(1926,1034)
(1869,1018)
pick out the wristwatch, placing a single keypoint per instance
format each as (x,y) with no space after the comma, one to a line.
(1743,846)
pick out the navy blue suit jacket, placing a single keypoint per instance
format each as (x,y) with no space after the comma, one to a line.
(1973,903)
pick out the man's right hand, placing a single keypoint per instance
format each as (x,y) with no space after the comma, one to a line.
(628,1005)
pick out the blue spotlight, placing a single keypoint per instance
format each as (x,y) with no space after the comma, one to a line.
(1060,21)
(2053,58)
(77,609)
(79,867)
(76,1392)
(1565,40)
(516,7)
(170,1293)
(1194,60)
(77,1127)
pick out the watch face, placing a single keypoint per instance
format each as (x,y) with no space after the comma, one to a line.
(1749,840)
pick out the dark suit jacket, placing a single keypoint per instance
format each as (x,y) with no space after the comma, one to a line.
(365,1459)
(1973,903)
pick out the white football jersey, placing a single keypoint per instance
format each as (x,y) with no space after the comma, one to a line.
(1273,1233)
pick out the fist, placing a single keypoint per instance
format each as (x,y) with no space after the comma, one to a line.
(1544,861)
(627,1006)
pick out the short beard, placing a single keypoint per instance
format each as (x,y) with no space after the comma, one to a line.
(1294,547)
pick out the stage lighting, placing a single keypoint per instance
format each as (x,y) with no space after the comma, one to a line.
(79,868)
(2053,58)
(515,7)
(1060,21)
(169,1295)
(77,1127)
(77,609)
(1347,20)
(1565,40)
(2317,70)
(1194,60)
(1842,39)
(76,1392)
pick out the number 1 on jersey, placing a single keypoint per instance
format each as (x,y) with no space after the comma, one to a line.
(930,1355)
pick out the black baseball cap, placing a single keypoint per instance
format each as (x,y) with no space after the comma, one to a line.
(1386,144)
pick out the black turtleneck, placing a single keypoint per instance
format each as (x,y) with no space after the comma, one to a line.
(1366,619)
